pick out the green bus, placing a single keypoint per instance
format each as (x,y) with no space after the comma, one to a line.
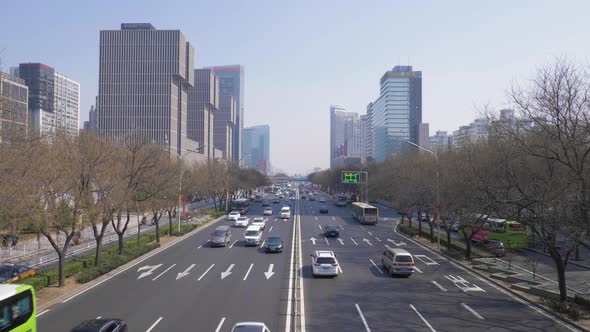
(364,213)
(513,234)
(18,309)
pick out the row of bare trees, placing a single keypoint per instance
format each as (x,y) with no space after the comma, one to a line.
(533,168)
(57,186)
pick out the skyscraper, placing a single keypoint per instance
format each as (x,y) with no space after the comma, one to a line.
(224,124)
(144,79)
(256,148)
(14,99)
(395,115)
(92,123)
(347,137)
(203,104)
(231,83)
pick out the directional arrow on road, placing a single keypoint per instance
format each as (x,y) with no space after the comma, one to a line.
(368,242)
(313,239)
(150,269)
(401,243)
(340,240)
(269,273)
(227,272)
(185,273)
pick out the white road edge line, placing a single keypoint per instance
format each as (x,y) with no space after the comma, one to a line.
(439,286)
(247,273)
(290,289)
(375,265)
(301,292)
(220,324)
(417,269)
(159,275)
(232,245)
(42,312)
(472,311)
(422,318)
(354,242)
(362,317)
(202,275)
(154,324)
(201,246)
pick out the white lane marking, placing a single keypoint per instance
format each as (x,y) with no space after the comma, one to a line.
(325,238)
(168,269)
(42,312)
(150,269)
(290,291)
(362,317)
(370,233)
(154,324)
(320,226)
(269,273)
(333,218)
(247,273)
(417,269)
(368,242)
(301,292)
(375,265)
(353,241)
(202,275)
(341,227)
(227,271)
(232,245)
(364,229)
(185,273)
(99,317)
(340,240)
(424,320)
(201,246)
(312,239)
(316,218)
(378,239)
(262,245)
(439,286)
(270,230)
(340,268)
(472,311)
(426,260)
(220,325)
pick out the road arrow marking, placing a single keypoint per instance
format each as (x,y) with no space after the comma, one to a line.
(227,272)
(186,272)
(340,240)
(202,275)
(368,242)
(269,273)
(313,239)
(150,269)
(401,243)
(353,241)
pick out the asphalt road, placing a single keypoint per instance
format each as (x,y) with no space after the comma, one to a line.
(440,297)
(222,286)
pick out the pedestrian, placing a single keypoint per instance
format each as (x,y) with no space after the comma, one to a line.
(4,240)
(14,241)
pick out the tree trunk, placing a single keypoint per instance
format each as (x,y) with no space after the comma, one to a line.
(560,267)
(467,248)
(157,220)
(431,226)
(169,221)
(97,252)
(121,246)
(449,239)
(62,264)
(419,224)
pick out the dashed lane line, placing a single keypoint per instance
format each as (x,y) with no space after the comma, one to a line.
(423,319)
(154,324)
(472,311)
(161,274)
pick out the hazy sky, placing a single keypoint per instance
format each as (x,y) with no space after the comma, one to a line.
(301,56)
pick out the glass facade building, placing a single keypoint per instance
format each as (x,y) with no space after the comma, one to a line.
(256,148)
(347,137)
(14,99)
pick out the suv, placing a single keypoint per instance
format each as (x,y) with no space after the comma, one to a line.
(398,261)
(233,216)
(323,209)
(253,235)
(324,263)
(221,236)
(331,230)
(285,212)
(495,246)
(100,325)
(250,327)
(259,221)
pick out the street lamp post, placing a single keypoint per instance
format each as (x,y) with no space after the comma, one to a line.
(180,157)
(437,190)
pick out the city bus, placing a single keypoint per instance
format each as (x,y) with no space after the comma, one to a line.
(240,204)
(18,309)
(513,234)
(364,213)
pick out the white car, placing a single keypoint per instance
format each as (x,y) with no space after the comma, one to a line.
(233,216)
(285,212)
(324,263)
(259,221)
(253,236)
(268,211)
(242,222)
(250,327)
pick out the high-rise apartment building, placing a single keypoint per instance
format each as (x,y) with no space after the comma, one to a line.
(224,127)
(14,100)
(54,100)
(145,75)
(256,148)
(440,142)
(203,105)
(347,138)
(395,115)
(478,130)
(231,83)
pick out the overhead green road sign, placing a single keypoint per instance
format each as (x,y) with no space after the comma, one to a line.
(351,177)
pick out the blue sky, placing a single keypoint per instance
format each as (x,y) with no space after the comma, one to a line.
(301,56)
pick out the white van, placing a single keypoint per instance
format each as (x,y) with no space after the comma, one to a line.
(286,212)
(253,236)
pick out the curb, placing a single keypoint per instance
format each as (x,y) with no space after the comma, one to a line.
(570,262)
(105,277)
(512,292)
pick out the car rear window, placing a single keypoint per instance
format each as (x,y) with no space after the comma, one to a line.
(251,233)
(218,233)
(403,258)
(325,260)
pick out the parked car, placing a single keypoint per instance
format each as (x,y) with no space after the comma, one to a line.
(494,246)
(259,221)
(10,273)
(331,231)
(267,211)
(233,216)
(398,261)
(242,222)
(101,325)
(324,263)
(273,244)
(221,236)
(323,209)
(253,236)
(250,327)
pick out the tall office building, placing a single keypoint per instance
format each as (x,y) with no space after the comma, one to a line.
(203,105)
(347,138)
(231,83)
(256,148)
(14,100)
(395,115)
(54,100)
(423,135)
(440,142)
(224,127)
(145,75)
(92,123)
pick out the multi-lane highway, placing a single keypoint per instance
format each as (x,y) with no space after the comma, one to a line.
(193,287)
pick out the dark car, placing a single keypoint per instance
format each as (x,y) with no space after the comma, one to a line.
(273,244)
(340,203)
(322,200)
(276,201)
(495,246)
(265,203)
(243,210)
(303,197)
(323,209)
(10,273)
(101,325)
(331,231)
(311,198)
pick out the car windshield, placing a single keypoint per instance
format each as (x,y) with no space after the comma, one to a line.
(6,272)
(258,220)
(325,260)
(274,240)
(251,233)
(242,218)
(248,329)
(218,233)
(331,227)
(403,258)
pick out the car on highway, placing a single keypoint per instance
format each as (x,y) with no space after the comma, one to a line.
(323,209)
(253,236)
(101,325)
(494,246)
(340,203)
(265,203)
(10,273)
(273,244)
(250,327)
(303,197)
(292,198)
(285,212)
(322,201)
(331,231)
(324,263)
(259,221)
(221,236)
(398,261)
(267,211)
(233,216)
(242,222)
(311,198)
(276,201)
